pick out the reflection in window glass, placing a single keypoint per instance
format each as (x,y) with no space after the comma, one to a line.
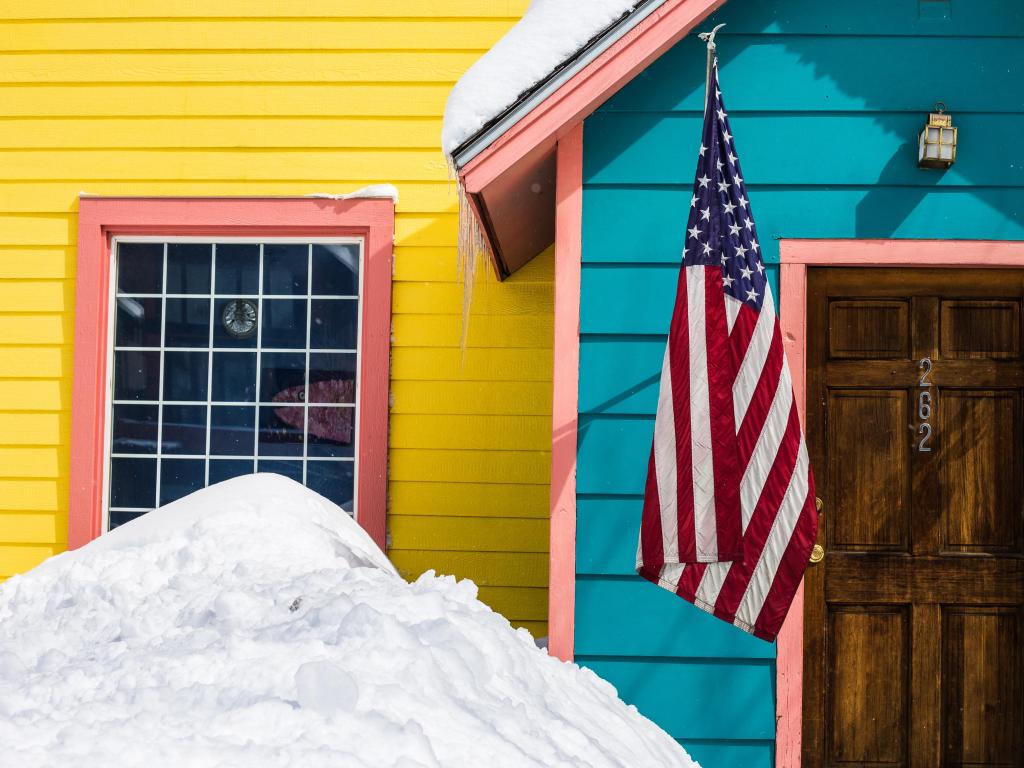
(234,377)
(334,323)
(188,267)
(138,322)
(238,269)
(147,268)
(212,374)
(336,269)
(134,428)
(184,430)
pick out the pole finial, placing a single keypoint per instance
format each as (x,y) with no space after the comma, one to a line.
(709,37)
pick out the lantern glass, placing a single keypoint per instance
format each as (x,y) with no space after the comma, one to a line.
(936,144)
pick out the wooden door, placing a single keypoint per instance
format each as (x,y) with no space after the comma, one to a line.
(914,620)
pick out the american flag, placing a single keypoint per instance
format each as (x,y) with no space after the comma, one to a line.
(729,517)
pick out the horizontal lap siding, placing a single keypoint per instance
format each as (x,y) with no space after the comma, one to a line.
(112,97)
(826,115)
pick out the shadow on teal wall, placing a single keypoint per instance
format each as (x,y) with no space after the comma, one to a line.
(826,101)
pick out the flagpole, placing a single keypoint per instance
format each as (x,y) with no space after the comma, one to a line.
(709,38)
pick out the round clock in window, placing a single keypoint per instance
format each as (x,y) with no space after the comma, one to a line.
(239,318)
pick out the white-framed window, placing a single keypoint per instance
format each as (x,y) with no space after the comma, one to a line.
(230,356)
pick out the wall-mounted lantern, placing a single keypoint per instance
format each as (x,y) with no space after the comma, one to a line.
(936,146)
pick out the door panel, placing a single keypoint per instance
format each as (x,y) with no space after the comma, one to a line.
(913,621)
(980,508)
(867,665)
(872,507)
(869,329)
(981,658)
(980,329)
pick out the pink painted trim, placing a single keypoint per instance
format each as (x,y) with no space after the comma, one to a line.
(588,89)
(795,256)
(100,219)
(565,394)
(789,656)
(903,253)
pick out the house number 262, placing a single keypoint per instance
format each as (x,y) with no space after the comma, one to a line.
(924,406)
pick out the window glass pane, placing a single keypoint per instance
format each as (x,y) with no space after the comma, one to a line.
(282,377)
(334,324)
(234,377)
(188,267)
(184,429)
(333,479)
(238,268)
(332,378)
(136,375)
(140,267)
(280,431)
(134,428)
(138,322)
(285,269)
(188,323)
(185,375)
(228,312)
(336,269)
(284,323)
(331,431)
(117,517)
(292,469)
(133,483)
(180,477)
(225,469)
(232,431)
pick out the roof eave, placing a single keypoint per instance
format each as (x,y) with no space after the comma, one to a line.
(521,144)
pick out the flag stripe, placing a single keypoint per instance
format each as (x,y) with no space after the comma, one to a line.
(754,356)
(727,599)
(665,465)
(720,375)
(679,364)
(702,455)
(790,570)
(776,543)
(761,402)
(763,456)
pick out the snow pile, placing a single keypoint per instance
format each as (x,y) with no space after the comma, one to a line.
(549,33)
(255,624)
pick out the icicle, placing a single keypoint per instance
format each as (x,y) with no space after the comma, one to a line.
(472,249)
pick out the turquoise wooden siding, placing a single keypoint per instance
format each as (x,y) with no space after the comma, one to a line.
(825,100)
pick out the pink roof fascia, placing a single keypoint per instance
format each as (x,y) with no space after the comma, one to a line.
(587,89)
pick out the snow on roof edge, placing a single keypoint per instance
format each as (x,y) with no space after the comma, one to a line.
(550,33)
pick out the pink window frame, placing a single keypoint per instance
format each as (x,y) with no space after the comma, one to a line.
(102,219)
(795,257)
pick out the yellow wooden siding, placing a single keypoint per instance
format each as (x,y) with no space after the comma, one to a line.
(221,97)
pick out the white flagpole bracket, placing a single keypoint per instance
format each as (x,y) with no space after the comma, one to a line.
(709,38)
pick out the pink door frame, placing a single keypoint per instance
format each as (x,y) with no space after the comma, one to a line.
(101,219)
(795,257)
